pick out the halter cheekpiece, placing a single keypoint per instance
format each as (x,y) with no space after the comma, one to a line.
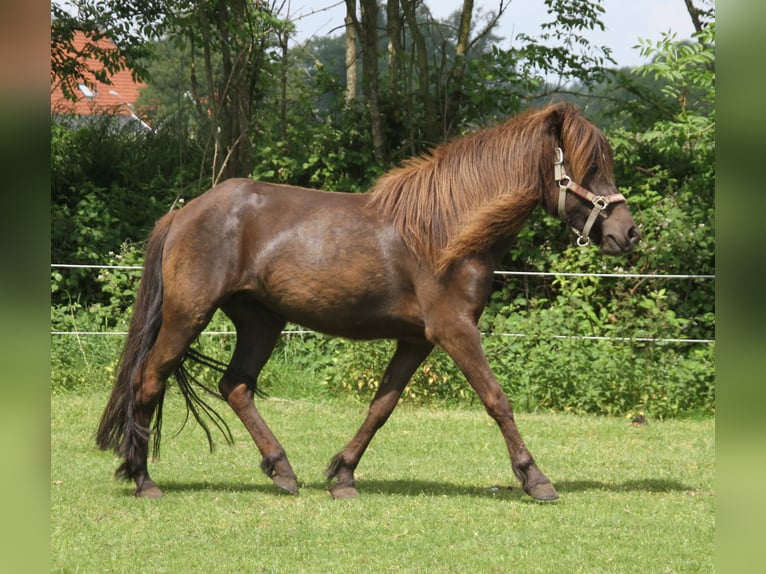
(600,202)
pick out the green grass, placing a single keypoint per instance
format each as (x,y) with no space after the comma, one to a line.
(437,495)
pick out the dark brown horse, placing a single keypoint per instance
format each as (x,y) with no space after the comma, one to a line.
(412,260)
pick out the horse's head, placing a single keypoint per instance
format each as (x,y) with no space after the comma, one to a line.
(595,210)
(580,187)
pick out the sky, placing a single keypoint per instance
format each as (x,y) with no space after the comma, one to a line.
(626,21)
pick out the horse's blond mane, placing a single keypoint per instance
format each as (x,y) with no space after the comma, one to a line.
(468,194)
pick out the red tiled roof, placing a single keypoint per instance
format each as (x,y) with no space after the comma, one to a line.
(103,101)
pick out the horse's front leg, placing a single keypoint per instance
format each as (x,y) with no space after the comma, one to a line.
(406,359)
(461,340)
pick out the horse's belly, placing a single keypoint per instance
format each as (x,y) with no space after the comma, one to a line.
(347,301)
(361,326)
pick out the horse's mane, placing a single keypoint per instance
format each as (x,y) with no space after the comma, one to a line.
(467,194)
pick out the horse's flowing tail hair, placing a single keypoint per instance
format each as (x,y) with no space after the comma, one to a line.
(118,429)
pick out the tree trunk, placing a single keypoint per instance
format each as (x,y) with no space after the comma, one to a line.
(394,30)
(351,38)
(235,92)
(212,106)
(694,14)
(371,82)
(454,91)
(284,36)
(431,131)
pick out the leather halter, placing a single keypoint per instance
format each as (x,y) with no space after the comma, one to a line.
(600,202)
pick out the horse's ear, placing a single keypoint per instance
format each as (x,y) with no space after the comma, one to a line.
(558,115)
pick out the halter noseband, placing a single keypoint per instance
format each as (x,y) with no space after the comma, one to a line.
(600,202)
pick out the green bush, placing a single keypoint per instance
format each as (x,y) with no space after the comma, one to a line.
(109,184)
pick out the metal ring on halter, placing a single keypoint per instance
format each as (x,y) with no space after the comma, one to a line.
(582,240)
(601,202)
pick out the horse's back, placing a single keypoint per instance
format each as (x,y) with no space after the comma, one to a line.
(253,214)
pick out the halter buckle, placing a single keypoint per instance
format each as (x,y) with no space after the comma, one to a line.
(558,168)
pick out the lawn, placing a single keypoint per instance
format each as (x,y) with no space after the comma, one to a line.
(437,495)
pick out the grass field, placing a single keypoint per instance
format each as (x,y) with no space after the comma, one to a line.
(437,495)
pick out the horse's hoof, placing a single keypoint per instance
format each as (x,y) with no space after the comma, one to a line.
(542,491)
(286,483)
(148,490)
(343,492)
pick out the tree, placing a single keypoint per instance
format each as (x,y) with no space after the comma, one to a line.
(128,24)
(242,34)
(424,83)
(352,25)
(563,49)
(371,75)
(701,17)
(235,39)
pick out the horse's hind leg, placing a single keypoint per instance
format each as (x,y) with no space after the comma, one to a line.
(165,357)
(257,332)
(406,360)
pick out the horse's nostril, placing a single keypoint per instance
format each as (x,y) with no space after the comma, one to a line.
(634,235)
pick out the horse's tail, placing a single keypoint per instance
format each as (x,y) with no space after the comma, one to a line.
(118,429)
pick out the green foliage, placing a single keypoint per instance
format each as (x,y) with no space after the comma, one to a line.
(333,154)
(495,87)
(669,174)
(563,48)
(551,367)
(80,360)
(110,184)
(353,368)
(686,68)
(580,345)
(128,23)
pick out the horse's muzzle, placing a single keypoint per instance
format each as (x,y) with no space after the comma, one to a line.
(613,244)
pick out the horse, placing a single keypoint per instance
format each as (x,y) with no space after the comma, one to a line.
(411,259)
